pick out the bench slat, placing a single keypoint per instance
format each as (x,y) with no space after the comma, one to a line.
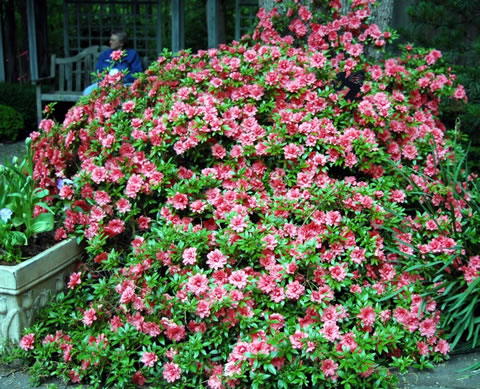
(72,97)
(71,75)
(61,77)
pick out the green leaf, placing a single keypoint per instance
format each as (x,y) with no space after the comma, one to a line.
(43,222)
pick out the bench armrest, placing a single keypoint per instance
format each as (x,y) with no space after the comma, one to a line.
(42,80)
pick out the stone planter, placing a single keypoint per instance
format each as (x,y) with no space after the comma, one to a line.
(28,286)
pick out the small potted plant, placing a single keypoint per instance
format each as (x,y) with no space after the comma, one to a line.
(32,264)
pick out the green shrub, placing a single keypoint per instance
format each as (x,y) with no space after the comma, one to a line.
(21,97)
(11,123)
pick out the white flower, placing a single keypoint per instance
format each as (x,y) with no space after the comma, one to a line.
(5,214)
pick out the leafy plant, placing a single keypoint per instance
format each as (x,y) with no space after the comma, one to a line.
(11,123)
(23,213)
(453,268)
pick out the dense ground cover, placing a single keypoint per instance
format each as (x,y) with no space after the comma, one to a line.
(248,226)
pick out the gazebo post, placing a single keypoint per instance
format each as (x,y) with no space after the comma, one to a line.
(32,40)
(212,25)
(178,27)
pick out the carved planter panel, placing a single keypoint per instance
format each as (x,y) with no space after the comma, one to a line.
(28,286)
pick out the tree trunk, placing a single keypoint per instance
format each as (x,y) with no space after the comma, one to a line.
(382,13)
(8,15)
(381,16)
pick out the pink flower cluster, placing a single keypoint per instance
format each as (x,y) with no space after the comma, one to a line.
(267,220)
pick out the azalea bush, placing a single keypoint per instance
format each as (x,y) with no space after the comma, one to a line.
(248,226)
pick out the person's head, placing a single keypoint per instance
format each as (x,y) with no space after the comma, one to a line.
(118,40)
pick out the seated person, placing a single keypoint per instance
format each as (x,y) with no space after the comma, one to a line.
(130,61)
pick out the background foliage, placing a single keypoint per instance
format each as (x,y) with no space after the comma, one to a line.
(21,97)
(452,27)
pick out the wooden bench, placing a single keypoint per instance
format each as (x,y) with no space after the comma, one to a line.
(68,77)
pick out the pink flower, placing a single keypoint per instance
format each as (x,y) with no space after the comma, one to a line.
(238,223)
(433,56)
(398,196)
(114,227)
(128,106)
(123,205)
(74,377)
(67,351)
(102,198)
(198,284)
(277,294)
(89,317)
(422,348)
(179,201)
(128,295)
(74,280)
(329,368)
(442,347)
(218,151)
(238,278)
(46,125)
(330,331)
(171,372)
(409,151)
(216,259)
(189,256)
(116,55)
(143,222)
(460,93)
(428,328)
(358,255)
(292,151)
(203,309)
(198,206)
(277,321)
(250,55)
(152,329)
(367,315)
(134,184)
(138,378)
(149,358)
(99,174)
(338,272)
(295,290)
(296,339)
(27,342)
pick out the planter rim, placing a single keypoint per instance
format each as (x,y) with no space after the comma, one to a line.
(16,278)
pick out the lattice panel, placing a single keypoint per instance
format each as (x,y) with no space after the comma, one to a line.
(246,11)
(90,23)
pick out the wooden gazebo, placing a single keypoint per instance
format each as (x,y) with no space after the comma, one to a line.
(89,22)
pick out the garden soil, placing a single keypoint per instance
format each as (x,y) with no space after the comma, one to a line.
(443,376)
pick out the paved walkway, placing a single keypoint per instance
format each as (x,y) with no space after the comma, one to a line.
(445,375)
(8,150)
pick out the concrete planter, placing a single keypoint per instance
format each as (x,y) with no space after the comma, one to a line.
(28,286)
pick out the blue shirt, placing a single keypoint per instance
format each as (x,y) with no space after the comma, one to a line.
(131,62)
